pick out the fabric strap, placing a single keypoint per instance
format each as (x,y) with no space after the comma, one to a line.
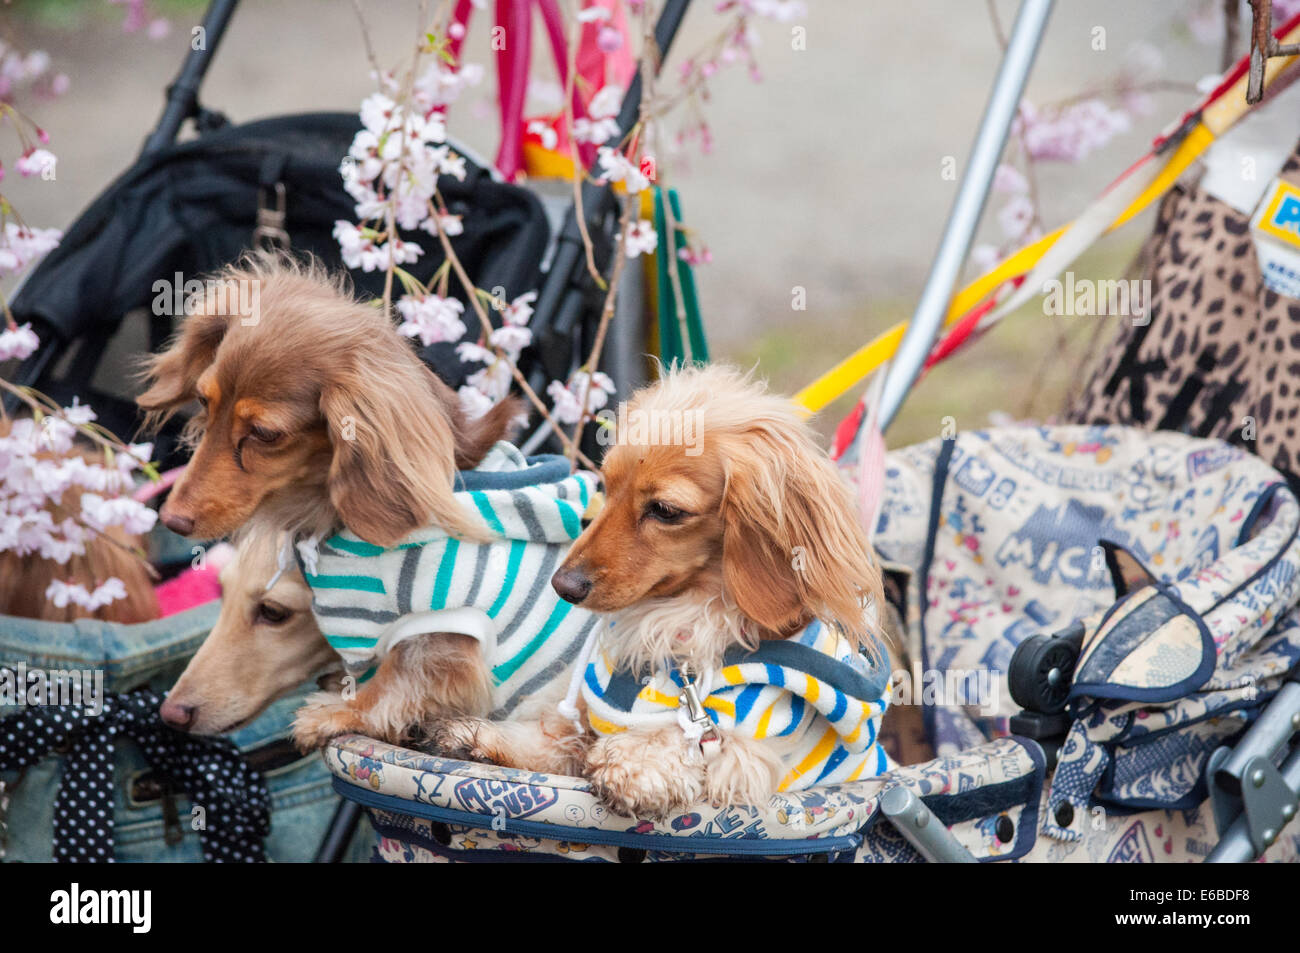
(232,796)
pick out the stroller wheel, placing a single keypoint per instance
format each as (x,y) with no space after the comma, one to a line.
(1040,672)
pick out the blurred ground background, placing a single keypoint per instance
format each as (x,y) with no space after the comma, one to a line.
(826,175)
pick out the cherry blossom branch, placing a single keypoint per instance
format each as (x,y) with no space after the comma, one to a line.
(136,551)
(1151,86)
(579,173)
(45,406)
(471,291)
(606,315)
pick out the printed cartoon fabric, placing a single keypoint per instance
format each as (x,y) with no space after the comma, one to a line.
(989,797)
(1014,551)
(232,796)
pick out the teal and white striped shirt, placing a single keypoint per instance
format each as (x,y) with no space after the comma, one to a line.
(366,598)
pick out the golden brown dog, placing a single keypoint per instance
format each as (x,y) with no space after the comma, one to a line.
(314,413)
(746,535)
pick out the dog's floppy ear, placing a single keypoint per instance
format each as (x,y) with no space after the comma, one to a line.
(394,451)
(474,438)
(792,544)
(172,374)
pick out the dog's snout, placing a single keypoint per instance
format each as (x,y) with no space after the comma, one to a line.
(573,585)
(177,522)
(177,714)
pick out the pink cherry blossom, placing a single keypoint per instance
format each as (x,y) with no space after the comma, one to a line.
(616,167)
(567,398)
(519,311)
(1071,133)
(431,318)
(512,339)
(641,239)
(20,342)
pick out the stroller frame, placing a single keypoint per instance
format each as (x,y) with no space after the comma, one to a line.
(1254,786)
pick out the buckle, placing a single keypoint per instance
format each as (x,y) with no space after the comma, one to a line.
(710,740)
(270,233)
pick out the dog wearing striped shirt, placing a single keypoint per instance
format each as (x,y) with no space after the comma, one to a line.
(740,654)
(315,417)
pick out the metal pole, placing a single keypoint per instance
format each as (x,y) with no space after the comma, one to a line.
(921,828)
(1031,22)
(183,93)
(343,824)
(1235,845)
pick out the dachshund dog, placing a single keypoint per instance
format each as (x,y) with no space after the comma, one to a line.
(265,644)
(741,593)
(314,414)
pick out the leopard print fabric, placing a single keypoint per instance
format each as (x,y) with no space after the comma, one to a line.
(1220,356)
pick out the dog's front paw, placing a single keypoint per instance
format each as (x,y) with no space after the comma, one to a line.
(646,775)
(745,772)
(324,717)
(463,739)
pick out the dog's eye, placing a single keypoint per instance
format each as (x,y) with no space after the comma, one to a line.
(269,614)
(664,513)
(203,401)
(264,435)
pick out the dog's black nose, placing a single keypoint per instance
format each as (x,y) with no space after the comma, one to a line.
(182,525)
(176,714)
(572,585)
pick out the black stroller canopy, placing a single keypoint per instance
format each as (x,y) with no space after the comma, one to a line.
(193,207)
(188,209)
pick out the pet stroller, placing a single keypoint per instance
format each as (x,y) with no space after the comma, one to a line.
(110,293)
(1138,591)
(998,536)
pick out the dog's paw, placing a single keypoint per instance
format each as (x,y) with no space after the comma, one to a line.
(323,718)
(744,772)
(645,775)
(462,739)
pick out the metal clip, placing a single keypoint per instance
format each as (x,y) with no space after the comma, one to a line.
(710,739)
(694,709)
(270,233)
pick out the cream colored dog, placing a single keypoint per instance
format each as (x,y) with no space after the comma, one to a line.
(265,644)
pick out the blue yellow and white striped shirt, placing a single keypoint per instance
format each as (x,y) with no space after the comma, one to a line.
(366,598)
(815,690)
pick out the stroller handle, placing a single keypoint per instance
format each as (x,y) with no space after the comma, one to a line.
(183,93)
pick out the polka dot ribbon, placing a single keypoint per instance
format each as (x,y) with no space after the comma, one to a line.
(234,804)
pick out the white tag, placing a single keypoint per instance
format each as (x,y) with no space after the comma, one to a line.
(1240,164)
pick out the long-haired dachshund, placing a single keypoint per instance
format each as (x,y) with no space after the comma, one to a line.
(264,645)
(741,593)
(314,414)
